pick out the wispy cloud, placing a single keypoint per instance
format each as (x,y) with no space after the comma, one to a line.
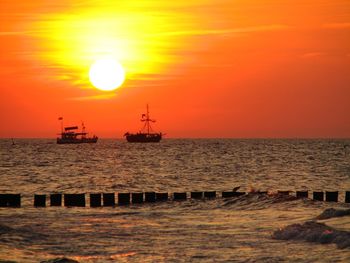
(94,97)
(18,33)
(251,29)
(261,28)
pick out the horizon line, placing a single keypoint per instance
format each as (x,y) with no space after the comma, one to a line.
(195,138)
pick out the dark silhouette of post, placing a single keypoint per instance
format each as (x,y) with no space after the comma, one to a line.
(74,200)
(137,198)
(210,194)
(318,196)
(161,197)
(196,195)
(302,194)
(108,199)
(179,196)
(56,200)
(123,198)
(95,200)
(230,194)
(10,200)
(347,197)
(331,196)
(39,200)
(150,197)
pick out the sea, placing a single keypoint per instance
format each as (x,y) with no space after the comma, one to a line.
(255,227)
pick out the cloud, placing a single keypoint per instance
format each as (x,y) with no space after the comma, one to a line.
(95,97)
(261,28)
(13,33)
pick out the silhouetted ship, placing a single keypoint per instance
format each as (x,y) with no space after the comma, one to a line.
(69,136)
(146,134)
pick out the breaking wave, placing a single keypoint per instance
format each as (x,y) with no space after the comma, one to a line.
(312,231)
(255,201)
(331,212)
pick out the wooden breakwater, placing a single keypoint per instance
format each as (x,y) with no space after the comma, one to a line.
(126,198)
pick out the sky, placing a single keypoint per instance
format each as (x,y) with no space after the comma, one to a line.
(207,69)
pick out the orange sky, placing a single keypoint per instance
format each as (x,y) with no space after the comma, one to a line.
(219,68)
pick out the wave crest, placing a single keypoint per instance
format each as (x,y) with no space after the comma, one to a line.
(331,212)
(312,231)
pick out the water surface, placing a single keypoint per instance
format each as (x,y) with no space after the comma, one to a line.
(192,231)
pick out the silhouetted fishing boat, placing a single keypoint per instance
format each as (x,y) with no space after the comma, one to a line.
(69,136)
(146,134)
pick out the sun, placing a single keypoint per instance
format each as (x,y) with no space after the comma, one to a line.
(106,74)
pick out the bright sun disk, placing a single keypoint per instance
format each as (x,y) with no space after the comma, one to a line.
(106,74)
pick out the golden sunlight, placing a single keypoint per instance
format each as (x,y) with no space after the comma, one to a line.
(141,41)
(106,74)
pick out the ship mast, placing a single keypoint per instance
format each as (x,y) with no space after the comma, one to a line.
(147,121)
(83,130)
(61,119)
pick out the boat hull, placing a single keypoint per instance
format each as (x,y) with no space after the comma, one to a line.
(76,141)
(144,137)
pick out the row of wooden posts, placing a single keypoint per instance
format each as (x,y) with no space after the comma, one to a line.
(108,199)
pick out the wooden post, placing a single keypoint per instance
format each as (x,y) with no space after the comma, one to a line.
(108,199)
(74,200)
(161,197)
(331,196)
(150,197)
(137,198)
(196,195)
(210,194)
(123,198)
(39,200)
(56,200)
(302,194)
(95,200)
(318,196)
(179,196)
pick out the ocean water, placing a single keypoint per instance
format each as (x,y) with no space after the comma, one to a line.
(220,230)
